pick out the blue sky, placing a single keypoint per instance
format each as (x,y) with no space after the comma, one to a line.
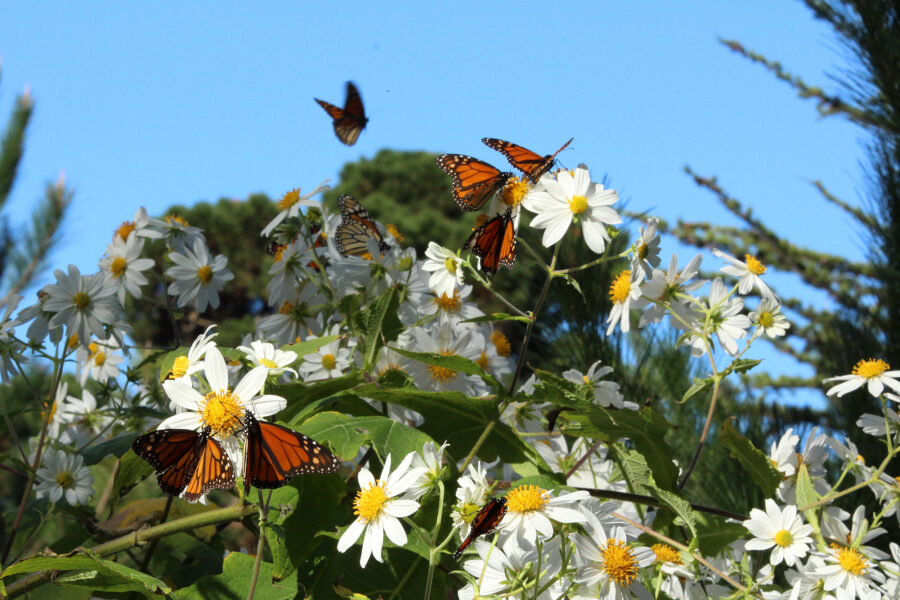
(165,103)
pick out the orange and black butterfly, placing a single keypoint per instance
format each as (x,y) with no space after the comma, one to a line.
(186,461)
(484,522)
(349,121)
(356,228)
(495,243)
(474,181)
(274,454)
(533,165)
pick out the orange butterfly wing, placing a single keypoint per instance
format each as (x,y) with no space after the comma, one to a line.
(275,454)
(214,471)
(484,522)
(474,181)
(186,461)
(348,122)
(356,228)
(495,243)
(533,165)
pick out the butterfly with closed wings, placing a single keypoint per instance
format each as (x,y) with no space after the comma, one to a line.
(474,181)
(274,454)
(356,229)
(533,165)
(495,243)
(186,461)
(484,522)
(349,121)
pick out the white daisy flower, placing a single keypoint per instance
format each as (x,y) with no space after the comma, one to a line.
(179,234)
(449,308)
(40,320)
(198,278)
(290,203)
(328,361)
(504,568)
(123,265)
(876,425)
(445,269)
(567,196)
(287,272)
(83,304)
(64,474)
(594,472)
(11,350)
(748,274)
(781,530)
(768,319)
(849,573)
(472,492)
(431,461)
(610,566)
(185,366)
(606,393)
(783,453)
(84,419)
(645,251)
(813,455)
(530,510)
(661,293)
(379,506)
(725,320)
(141,225)
(99,361)
(263,354)
(449,341)
(221,409)
(874,373)
(623,291)
(293,320)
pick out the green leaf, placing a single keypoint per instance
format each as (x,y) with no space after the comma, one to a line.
(547,482)
(559,390)
(714,534)
(806,493)
(633,468)
(754,461)
(573,282)
(699,386)
(379,324)
(645,427)
(234,582)
(300,395)
(310,346)
(282,567)
(347,434)
(117,446)
(497,317)
(319,495)
(89,570)
(742,365)
(455,363)
(678,505)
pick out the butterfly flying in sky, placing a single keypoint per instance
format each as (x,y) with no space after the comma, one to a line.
(349,121)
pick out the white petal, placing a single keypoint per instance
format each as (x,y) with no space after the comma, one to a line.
(351,535)
(183,395)
(216,372)
(250,385)
(395,532)
(401,507)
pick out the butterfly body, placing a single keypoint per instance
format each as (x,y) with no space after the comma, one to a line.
(356,228)
(348,122)
(495,243)
(484,522)
(274,454)
(474,181)
(532,164)
(186,461)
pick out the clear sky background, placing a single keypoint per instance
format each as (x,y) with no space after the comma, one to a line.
(165,103)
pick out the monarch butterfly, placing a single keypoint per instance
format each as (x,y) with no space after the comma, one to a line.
(495,243)
(533,165)
(474,181)
(484,522)
(186,461)
(356,228)
(349,121)
(274,454)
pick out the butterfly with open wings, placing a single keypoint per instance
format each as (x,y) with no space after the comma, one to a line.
(533,165)
(349,121)
(474,181)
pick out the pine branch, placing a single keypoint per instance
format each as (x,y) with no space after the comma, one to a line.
(864,219)
(13,145)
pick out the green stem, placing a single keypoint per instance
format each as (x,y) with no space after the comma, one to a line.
(434,553)
(875,477)
(263,518)
(490,287)
(651,501)
(402,583)
(594,263)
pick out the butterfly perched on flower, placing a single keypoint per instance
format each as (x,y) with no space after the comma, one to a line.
(474,181)
(186,461)
(484,522)
(274,454)
(495,243)
(349,121)
(533,165)
(356,229)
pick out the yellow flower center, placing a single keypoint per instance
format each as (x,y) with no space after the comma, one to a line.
(221,411)
(124,230)
(578,204)
(117,267)
(860,459)
(447,303)
(286,308)
(442,374)
(180,367)
(620,287)
(766,319)
(268,363)
(369,502)
(483,361)
(619,562)
(642,251)
(468,511)
(586,379)
(450,265)
(501,343)
(666,553)
(328,361)
(526,498)
(65,480)
(204,274)
(405,263)
(392,229)
(391,366)
(73,341)
(514,190)
(289,199)
(279,251)
(754,266)
(81,300)
(784,538)
(872,367)
(99,358)
(177,220)
(851,560)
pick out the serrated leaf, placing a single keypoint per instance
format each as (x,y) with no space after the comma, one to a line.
(282,567)
(633,468)
(742,365)
(379,324)
(299,395)
(699,386)
(754,461)
(455,363)
(234,582)
(806,492)
(495,317)
(347,434)
(678,505)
